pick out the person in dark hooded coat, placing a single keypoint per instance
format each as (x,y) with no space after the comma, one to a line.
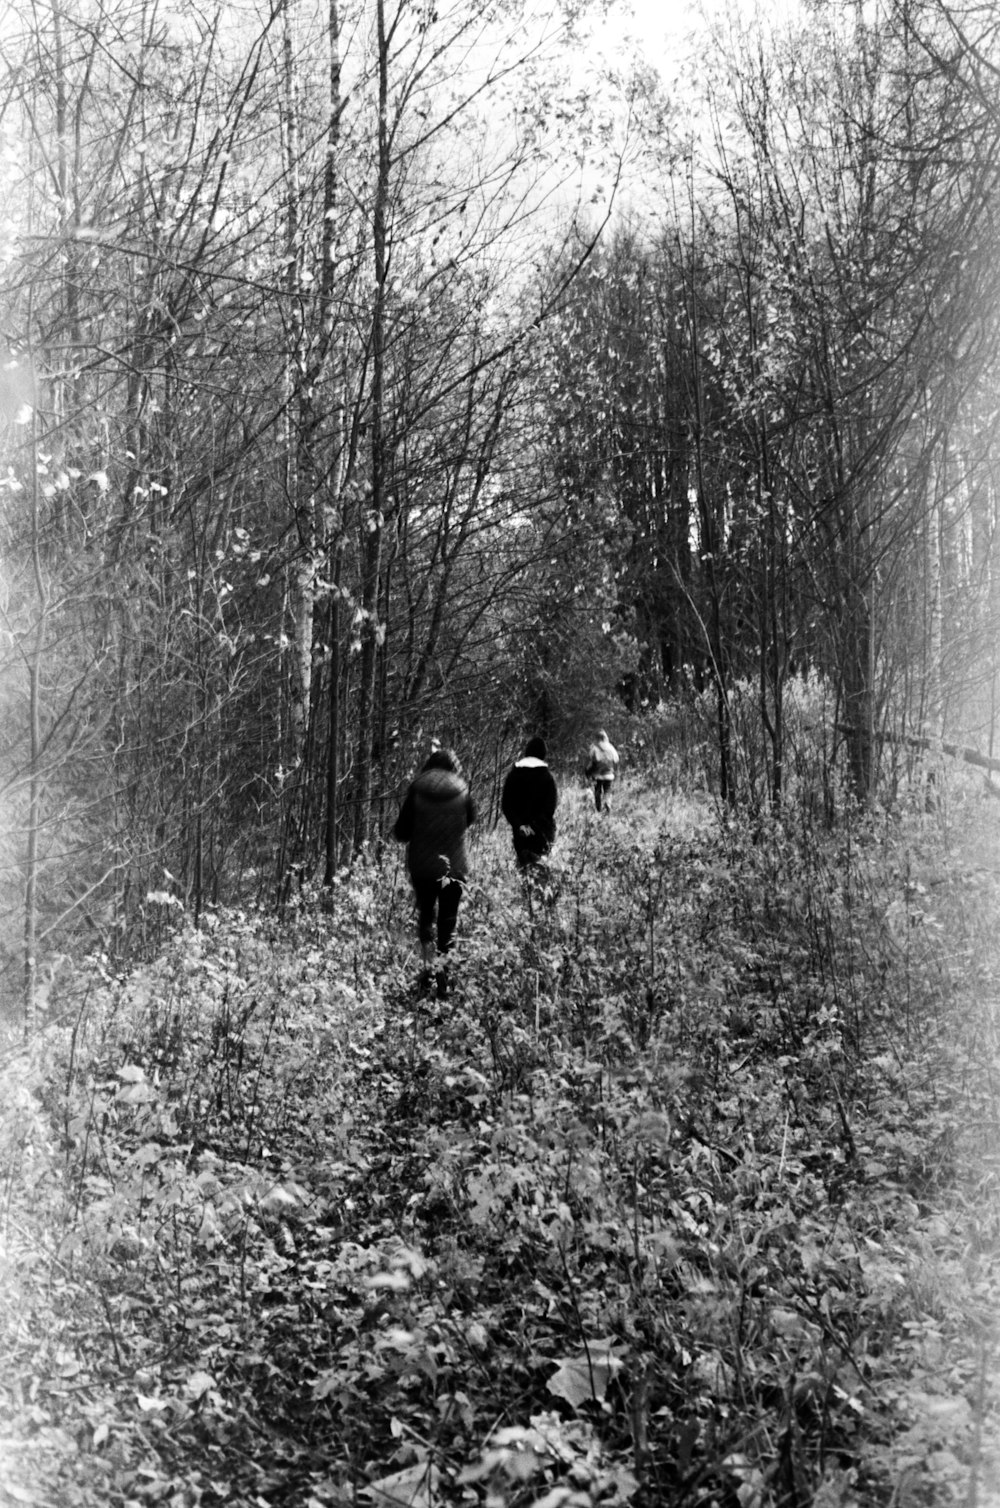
(435,816)
(528,801)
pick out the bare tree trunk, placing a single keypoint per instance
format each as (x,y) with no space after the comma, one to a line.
(857,655)
(934,712)
(711,547)
(773,627)
(304,572)
(342,451)
(331,843)
(35,658)
(372,525)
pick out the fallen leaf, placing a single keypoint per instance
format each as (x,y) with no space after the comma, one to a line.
(413,1487)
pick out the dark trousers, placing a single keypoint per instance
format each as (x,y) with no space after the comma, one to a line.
(442,897)
(602,788)
(530,850)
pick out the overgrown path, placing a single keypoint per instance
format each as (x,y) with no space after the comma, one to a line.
(688,1196)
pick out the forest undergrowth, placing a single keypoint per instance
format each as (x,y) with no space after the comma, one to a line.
(688,1195)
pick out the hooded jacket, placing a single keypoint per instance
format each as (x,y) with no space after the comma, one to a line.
(602,759)
(530,798)
(433,821)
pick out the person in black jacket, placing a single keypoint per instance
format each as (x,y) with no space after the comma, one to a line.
(529,802)
(433,820)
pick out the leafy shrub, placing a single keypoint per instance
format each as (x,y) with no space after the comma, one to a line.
(665,1204)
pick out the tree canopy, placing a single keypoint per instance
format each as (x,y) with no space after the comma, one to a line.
(343,410)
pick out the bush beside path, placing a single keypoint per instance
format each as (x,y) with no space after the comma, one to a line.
(688,1196)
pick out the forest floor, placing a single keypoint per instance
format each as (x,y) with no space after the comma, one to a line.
(689,1194)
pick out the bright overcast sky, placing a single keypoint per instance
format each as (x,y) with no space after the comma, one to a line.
(652,21)
(665,28)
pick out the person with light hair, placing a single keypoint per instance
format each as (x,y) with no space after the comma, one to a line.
(601,768)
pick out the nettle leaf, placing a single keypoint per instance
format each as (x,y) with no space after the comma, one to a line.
(653,1128)
(584,1378)
(516,1454)
(283,1196)
(147,1154)
(137,1092)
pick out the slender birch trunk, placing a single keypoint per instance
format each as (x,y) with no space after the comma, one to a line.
(372,523)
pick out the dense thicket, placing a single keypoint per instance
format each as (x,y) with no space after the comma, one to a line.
(331,426)
(778,405)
